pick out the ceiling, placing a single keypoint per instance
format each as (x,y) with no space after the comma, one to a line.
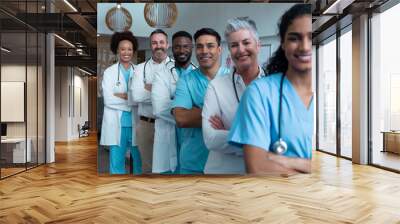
(330,15)
(80,27)
(32,16)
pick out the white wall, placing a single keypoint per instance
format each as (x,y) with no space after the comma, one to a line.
(69,82)
(16,72)
(194,16)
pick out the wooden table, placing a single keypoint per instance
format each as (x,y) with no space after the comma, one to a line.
(391,141)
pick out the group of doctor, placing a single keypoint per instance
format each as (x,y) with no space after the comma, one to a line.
(176,118)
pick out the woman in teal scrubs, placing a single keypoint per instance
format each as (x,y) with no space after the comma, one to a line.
(118,128)
(275,119)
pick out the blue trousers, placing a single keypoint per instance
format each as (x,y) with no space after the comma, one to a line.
(186,171)
(117,154)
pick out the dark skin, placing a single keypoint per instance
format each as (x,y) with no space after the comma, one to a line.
(207,52)
(125,53)
(182,51)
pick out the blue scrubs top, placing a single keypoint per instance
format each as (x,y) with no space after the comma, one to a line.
(181,72)
(190,91)
(256,120)
(126,118)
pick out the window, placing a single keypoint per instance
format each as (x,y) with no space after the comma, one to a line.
(346,93)
(385,88)
(327,96)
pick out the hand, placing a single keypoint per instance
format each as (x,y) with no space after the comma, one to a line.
(147,87)
(121,95)
(216,123)
(196,110)
(297,164)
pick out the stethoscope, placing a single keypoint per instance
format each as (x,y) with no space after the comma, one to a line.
(173,76)
(234,83)
(118,81)
(174,68)
(280,146)
(144,69)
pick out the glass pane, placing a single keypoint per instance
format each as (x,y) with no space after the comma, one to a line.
(327,97)
(386,89)
(13,86)
(314,82)
(41,99)
(346,94)
(31,98)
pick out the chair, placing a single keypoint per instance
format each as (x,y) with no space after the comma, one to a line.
(84,130)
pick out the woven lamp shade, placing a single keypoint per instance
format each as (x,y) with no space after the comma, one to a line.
(118,19)
(160,15)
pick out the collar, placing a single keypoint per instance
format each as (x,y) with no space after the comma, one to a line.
(181,69)
(167,59)
(239,80)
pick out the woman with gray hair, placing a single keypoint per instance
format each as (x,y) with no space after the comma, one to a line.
(223,97)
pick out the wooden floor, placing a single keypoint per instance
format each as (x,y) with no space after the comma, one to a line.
(70,191)
(387,159)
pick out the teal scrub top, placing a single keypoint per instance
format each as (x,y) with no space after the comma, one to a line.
(256,120)
(181,72)
(126,118)
(190,91)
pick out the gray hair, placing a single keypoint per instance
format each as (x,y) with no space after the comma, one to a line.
(241,23)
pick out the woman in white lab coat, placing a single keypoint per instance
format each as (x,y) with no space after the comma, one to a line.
(118,128)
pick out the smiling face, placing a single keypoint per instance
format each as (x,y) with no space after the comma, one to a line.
(244,49)
(182,50)
(207,51)
(125,51)
(298,45)
(159,46)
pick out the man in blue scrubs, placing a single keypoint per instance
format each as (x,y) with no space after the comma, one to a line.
(166,136)
(189,97)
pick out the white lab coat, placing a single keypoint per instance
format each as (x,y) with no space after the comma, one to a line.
(165,156)
(220,99)
(140,94)
(113,106)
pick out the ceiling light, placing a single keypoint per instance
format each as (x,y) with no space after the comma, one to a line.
(118,19)
(160,15)
(70,5)
(64,40)
(338,6)
(5,50)
(84,71)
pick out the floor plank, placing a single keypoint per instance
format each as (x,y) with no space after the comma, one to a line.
(71,191)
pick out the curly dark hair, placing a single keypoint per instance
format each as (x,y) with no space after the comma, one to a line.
(120,36)
(278,62)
